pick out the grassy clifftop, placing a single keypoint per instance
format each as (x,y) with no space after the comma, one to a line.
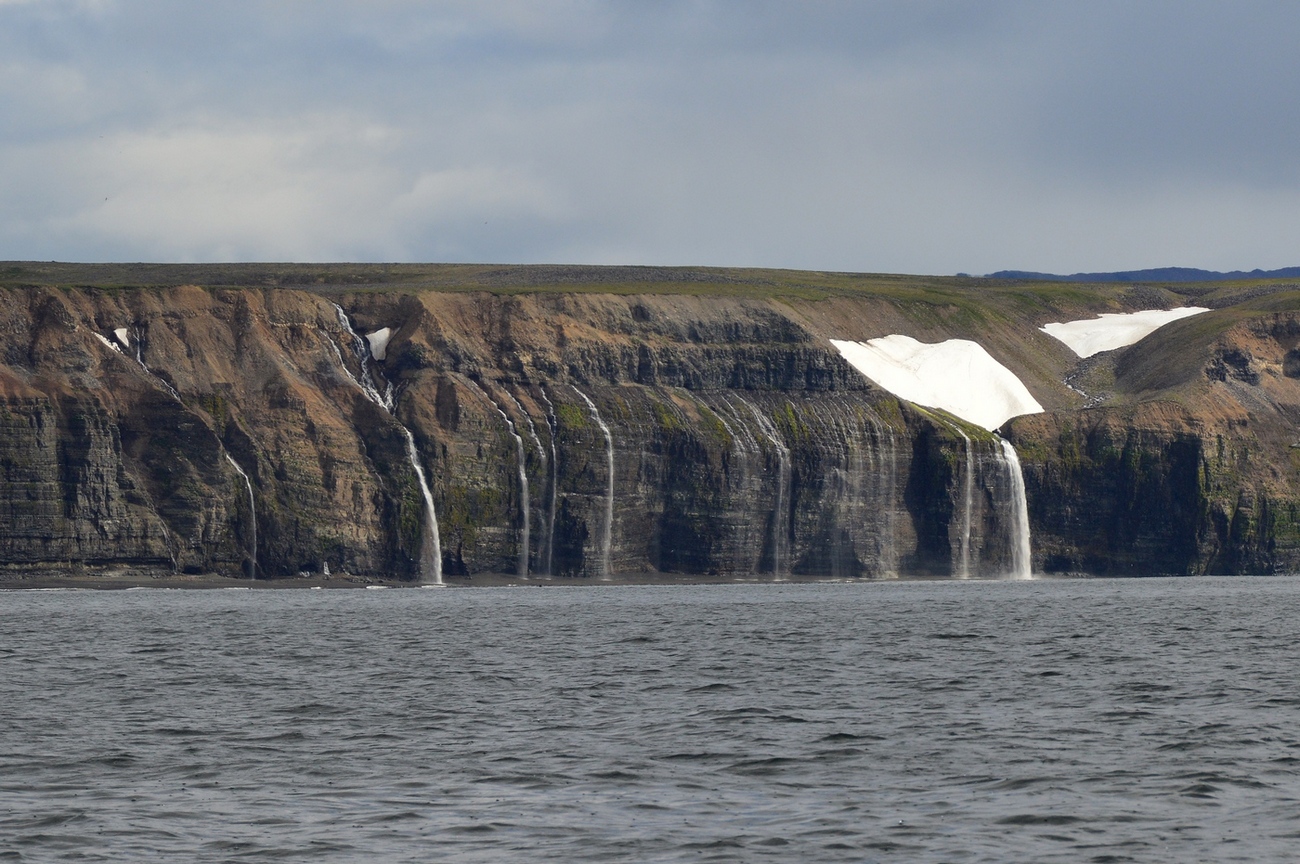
(1014,294)
(1003,314)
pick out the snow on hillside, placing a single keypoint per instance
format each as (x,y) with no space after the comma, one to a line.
(1115,329)
(956,375)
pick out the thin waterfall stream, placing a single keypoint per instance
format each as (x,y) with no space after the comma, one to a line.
(968,484)
(541,455)
(608,537)
(966,511)
(885,475)
(132,339)
(781,517)
(891,493)
(747,446)
(524,507)
(252,506)
(139,358)
(553,424)
(431,548)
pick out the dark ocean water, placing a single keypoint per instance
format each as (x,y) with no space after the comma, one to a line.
(1108,720)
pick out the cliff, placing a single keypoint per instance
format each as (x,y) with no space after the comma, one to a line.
(598,422)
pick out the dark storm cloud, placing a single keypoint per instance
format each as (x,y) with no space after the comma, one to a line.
(904,136)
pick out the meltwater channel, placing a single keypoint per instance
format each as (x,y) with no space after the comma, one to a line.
(1105,720)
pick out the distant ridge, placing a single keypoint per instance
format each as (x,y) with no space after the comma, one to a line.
(1155,274)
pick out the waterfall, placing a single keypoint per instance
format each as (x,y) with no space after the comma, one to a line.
(609,493)
(252,506)
(430,552)
(553,424)
(1021,561)
(431,548)
(139,358)
(781,516)
(361,348)
(541,455)
(857,452)
(969,483)
(133,339)
(748,447)
(890,501)
(522,567)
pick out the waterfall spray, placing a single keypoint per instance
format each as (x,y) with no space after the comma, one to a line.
(431,548)
(608,537)
(1021,556)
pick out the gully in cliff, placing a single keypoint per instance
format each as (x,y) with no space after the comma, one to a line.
(431,546)
(122,341)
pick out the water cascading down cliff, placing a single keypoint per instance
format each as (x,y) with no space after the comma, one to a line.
(258,432)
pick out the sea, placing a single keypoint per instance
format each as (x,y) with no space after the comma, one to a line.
(967,721)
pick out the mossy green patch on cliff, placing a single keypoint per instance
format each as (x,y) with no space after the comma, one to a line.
(667,418)
(571,416)
(713,427)
(791,426)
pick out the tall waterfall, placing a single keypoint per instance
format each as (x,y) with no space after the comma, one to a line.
(608,537)
(553,424)
(252,506)
(541,455)
(968,483)
(1021,560)
(781,517)
(430,552)
(431,548)
(522,566)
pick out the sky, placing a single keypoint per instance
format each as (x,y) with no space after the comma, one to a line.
(905,136)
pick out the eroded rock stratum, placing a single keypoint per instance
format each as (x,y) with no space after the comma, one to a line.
(227,426)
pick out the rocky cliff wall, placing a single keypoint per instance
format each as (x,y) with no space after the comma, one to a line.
(740,443)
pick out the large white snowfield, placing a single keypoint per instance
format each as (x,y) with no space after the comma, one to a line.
(1113,330)
(956,375)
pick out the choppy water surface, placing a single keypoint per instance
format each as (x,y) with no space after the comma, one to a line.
(1146,720)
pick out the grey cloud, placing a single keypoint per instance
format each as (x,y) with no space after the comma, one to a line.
(905,136)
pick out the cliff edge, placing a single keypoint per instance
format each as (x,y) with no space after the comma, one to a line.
(590,422)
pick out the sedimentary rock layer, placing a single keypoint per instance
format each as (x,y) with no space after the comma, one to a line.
(740,442)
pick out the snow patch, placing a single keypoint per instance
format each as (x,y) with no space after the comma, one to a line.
(123,336)
(379,342)
(1113,330)
(101,338)
(957,376)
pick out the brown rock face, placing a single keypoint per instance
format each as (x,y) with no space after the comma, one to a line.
(229,430)
(1202,478)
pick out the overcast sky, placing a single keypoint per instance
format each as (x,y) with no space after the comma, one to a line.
(908,136)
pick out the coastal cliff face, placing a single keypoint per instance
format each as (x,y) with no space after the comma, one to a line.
(1200,476)
(591,434)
